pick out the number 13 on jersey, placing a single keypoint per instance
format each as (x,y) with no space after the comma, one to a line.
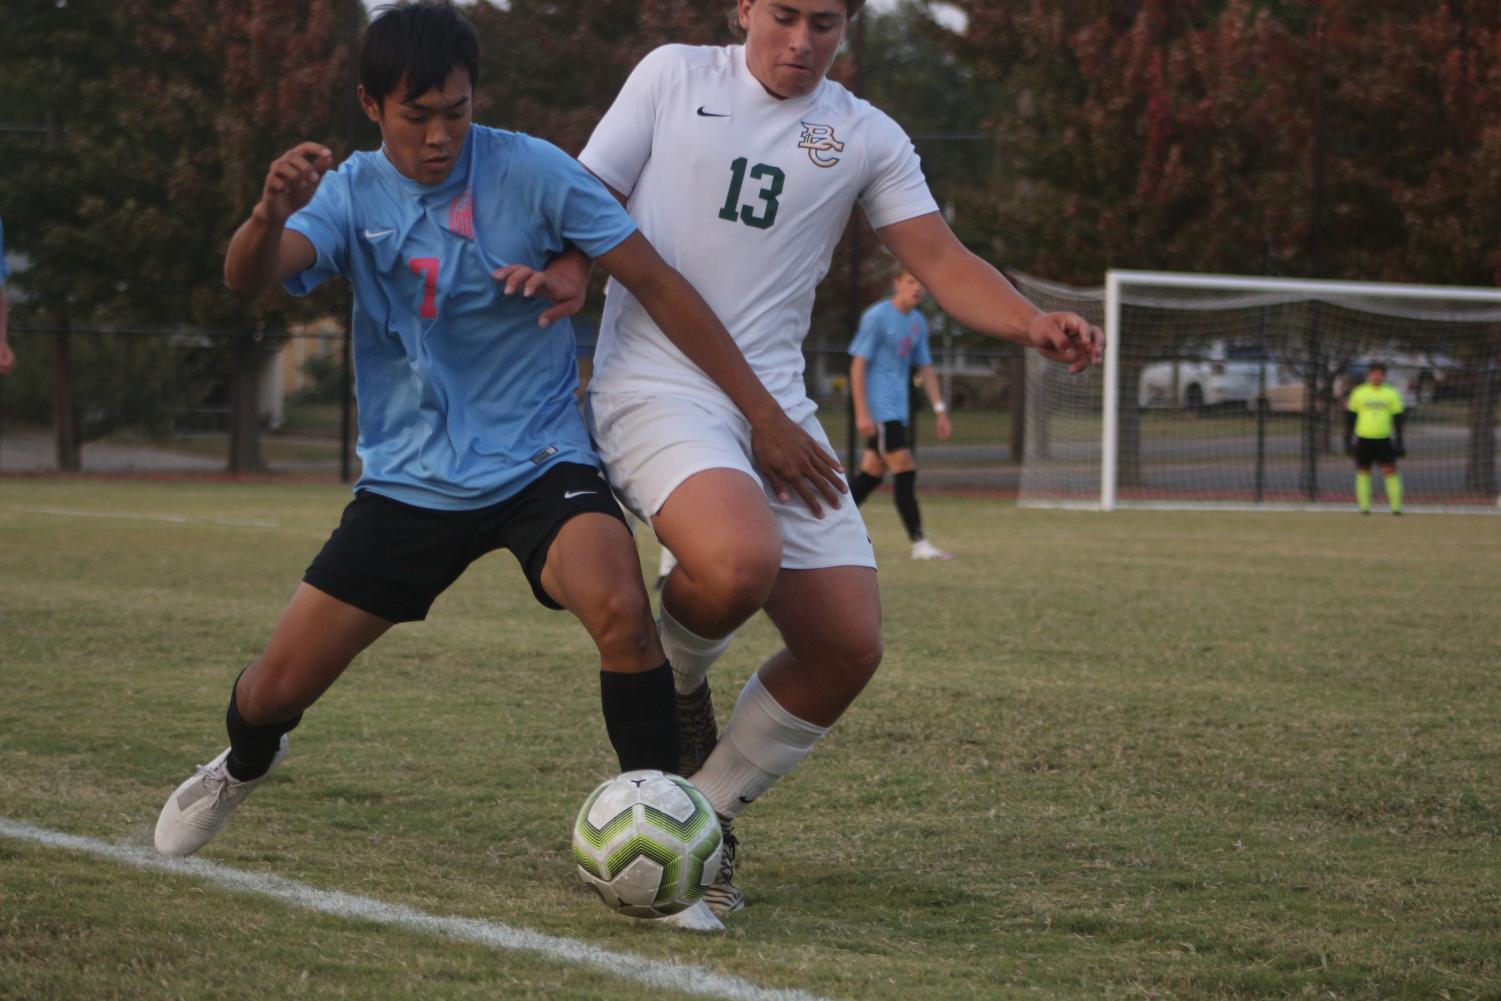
(757,216)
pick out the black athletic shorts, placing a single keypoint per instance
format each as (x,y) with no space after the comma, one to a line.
(393,559)
(890,436)
(1374,450)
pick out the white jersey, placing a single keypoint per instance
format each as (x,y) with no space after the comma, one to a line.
(747,195)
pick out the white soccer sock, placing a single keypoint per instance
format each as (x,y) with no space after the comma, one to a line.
(761,743)
(689,654)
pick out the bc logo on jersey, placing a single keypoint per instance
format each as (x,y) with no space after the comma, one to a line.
(819,141)
(461,215)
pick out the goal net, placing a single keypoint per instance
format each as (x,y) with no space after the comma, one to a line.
(1225,391)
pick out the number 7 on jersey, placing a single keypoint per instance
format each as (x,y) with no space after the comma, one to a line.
(427,267)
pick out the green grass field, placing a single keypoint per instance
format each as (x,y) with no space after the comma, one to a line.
(1136,755)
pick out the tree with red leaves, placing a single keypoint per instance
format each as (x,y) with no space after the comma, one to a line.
(222,89)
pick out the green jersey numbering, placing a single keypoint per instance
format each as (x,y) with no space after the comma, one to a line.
(758,216)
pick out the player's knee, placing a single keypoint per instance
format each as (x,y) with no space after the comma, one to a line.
(738,578)
(620,622)
(854,658)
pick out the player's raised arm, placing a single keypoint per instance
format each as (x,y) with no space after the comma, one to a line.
(786,454)
(565,280)
(263,252)
(980,298)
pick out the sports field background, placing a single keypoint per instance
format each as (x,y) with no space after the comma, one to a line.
(1135,755)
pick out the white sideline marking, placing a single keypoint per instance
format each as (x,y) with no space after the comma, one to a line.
(175,519)
(657,973)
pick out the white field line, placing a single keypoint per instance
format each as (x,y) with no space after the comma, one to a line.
(174,519)
(655,973)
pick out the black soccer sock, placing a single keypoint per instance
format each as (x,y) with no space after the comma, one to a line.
(252,747)
(906,503)
(863,485)
(641,718)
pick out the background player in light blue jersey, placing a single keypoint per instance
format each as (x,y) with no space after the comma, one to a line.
(7,356)
(891,343)
(470,434)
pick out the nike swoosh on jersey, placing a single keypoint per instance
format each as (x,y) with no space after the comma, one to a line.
(570,495)
(372,234)
(712,114)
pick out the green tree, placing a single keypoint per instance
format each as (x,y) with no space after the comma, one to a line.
(1418,168)
(163,117)
(553,69)
(1168,133)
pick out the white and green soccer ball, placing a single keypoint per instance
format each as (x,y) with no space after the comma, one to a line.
(648,843)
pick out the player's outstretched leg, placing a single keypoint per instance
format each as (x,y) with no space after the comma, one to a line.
(830,620)
(729,551)
(314,641)
(592,570)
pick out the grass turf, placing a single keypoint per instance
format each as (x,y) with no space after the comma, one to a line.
(1161,755)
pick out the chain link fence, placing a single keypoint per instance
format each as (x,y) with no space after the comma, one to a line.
(146,401)
(122,400)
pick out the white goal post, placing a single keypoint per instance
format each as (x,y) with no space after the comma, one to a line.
(1227,391)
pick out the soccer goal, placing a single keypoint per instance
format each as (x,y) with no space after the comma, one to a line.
(1223,391)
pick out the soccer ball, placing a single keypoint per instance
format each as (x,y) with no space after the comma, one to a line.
(648,843)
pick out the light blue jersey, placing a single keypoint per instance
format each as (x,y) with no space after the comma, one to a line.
(4,268)
(892,343)
(463,399)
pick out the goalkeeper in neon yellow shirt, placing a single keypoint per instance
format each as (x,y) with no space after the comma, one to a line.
(1373,434)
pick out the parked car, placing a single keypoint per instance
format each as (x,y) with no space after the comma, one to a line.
(1419,378)
(1217,373)
(1415,376)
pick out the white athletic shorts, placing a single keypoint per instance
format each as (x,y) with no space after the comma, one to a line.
(651,443)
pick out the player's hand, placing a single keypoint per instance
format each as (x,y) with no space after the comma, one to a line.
(563,282)
(1067,338)
(1350,447)
(7,359)
(943,427)
(791,460)
(293,178)
(866,427)
(1399,450)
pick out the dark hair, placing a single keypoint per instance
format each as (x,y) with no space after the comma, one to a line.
(420,42)
(1373,366)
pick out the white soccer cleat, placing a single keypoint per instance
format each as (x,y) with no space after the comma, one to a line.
(696,918)
(922,549)
(200,807)
(723,896)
